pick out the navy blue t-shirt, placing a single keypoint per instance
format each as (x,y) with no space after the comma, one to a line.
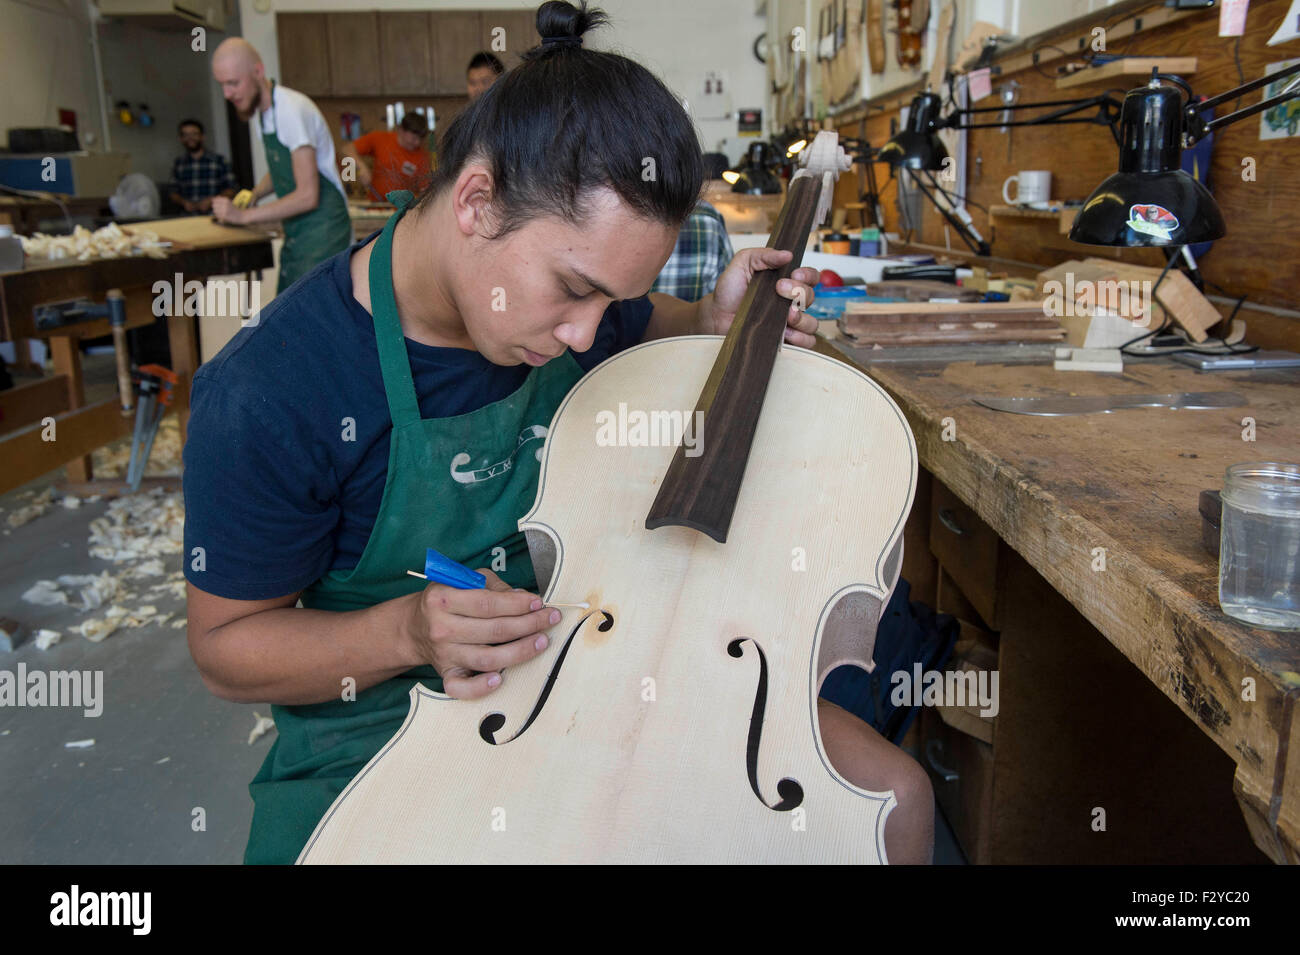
(272,495)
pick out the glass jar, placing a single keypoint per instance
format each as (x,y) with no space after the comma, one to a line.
(1259,545)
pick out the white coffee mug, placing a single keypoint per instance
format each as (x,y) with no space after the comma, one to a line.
(1031,186)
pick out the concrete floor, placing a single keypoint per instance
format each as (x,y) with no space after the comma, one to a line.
(164,746)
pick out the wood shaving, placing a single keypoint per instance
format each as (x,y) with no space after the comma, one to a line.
(263,726)
(110,242)
(29,512)
(47,638)
(45,593)
(95,629)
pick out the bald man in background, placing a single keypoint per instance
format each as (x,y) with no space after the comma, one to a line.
(310,203)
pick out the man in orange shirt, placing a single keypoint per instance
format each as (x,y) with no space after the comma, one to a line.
(400,160)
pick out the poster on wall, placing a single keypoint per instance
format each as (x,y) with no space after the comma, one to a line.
(1282,120)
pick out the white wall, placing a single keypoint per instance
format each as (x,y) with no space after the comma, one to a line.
(47,63)
(676,39)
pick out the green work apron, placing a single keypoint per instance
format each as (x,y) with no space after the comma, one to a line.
(458,485)
(314,236)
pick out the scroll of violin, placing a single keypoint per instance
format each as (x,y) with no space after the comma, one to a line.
(732,511)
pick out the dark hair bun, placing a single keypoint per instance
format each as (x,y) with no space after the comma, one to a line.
(557,19)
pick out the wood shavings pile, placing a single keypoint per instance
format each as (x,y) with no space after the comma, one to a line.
(137,526)
(136,532)
(164,459)
(110,242)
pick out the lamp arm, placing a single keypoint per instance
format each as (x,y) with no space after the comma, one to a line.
(968,235)
(1108,109)
(1196,127)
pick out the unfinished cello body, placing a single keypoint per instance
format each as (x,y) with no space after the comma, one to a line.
(676,720)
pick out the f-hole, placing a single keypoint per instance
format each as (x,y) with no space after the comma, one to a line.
(494,721)
(788,789)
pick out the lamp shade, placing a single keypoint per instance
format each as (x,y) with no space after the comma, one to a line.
(1150,201)
(755,177)
(917,146)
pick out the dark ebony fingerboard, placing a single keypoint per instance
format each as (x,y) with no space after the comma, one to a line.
(701,491)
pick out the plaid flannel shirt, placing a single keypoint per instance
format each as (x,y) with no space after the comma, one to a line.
(702,252)
(196,179)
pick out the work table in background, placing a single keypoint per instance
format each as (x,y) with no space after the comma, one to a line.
(1053,490)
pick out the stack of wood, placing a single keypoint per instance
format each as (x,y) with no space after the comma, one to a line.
(947,323)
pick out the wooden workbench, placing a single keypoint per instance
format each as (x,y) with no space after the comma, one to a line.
(1056,489)
(201,249)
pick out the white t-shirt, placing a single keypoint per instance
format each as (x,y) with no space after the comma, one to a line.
(301,124)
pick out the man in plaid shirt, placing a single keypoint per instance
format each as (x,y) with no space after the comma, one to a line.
(198,175)
(702,252)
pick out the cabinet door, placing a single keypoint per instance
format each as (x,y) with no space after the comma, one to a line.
(406,53)
(354,54)
(520,35)
(303,39)
(456,38)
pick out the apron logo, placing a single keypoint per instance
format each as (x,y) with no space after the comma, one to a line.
(533,433)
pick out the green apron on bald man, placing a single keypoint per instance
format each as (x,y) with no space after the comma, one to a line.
(310,203)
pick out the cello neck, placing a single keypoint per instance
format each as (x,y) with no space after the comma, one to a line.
(700,491)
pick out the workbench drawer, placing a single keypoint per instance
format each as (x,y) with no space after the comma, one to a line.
(961,772)
(968,550)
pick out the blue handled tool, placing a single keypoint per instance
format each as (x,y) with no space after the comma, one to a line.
(443,570)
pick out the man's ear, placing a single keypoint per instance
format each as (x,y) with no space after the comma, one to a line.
(471,200)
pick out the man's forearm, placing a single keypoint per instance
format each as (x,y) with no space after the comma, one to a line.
(294,204)
(672,317)
(293,656)
(263,187)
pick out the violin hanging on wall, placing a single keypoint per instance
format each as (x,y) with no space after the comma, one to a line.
(913,17)
(676,719)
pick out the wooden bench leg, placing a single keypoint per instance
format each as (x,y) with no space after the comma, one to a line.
(185,361)
(66,353)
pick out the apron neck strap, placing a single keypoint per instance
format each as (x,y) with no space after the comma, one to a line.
(394,361)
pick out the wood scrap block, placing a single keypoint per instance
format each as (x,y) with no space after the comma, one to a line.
(920,290)
(928,323)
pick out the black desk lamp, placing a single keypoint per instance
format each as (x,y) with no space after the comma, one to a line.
(1150,201)
(754,175)
(918,149)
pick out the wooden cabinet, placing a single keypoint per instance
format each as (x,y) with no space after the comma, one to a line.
(303,40)
(406,53)
(456,37)
(354,54)
(395,53)
(520,33)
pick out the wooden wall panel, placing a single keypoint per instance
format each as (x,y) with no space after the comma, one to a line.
(1260,255)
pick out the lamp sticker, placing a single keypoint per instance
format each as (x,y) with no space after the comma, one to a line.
(1153,220)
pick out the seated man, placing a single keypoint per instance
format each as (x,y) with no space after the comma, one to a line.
(702,252)
(198,175)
